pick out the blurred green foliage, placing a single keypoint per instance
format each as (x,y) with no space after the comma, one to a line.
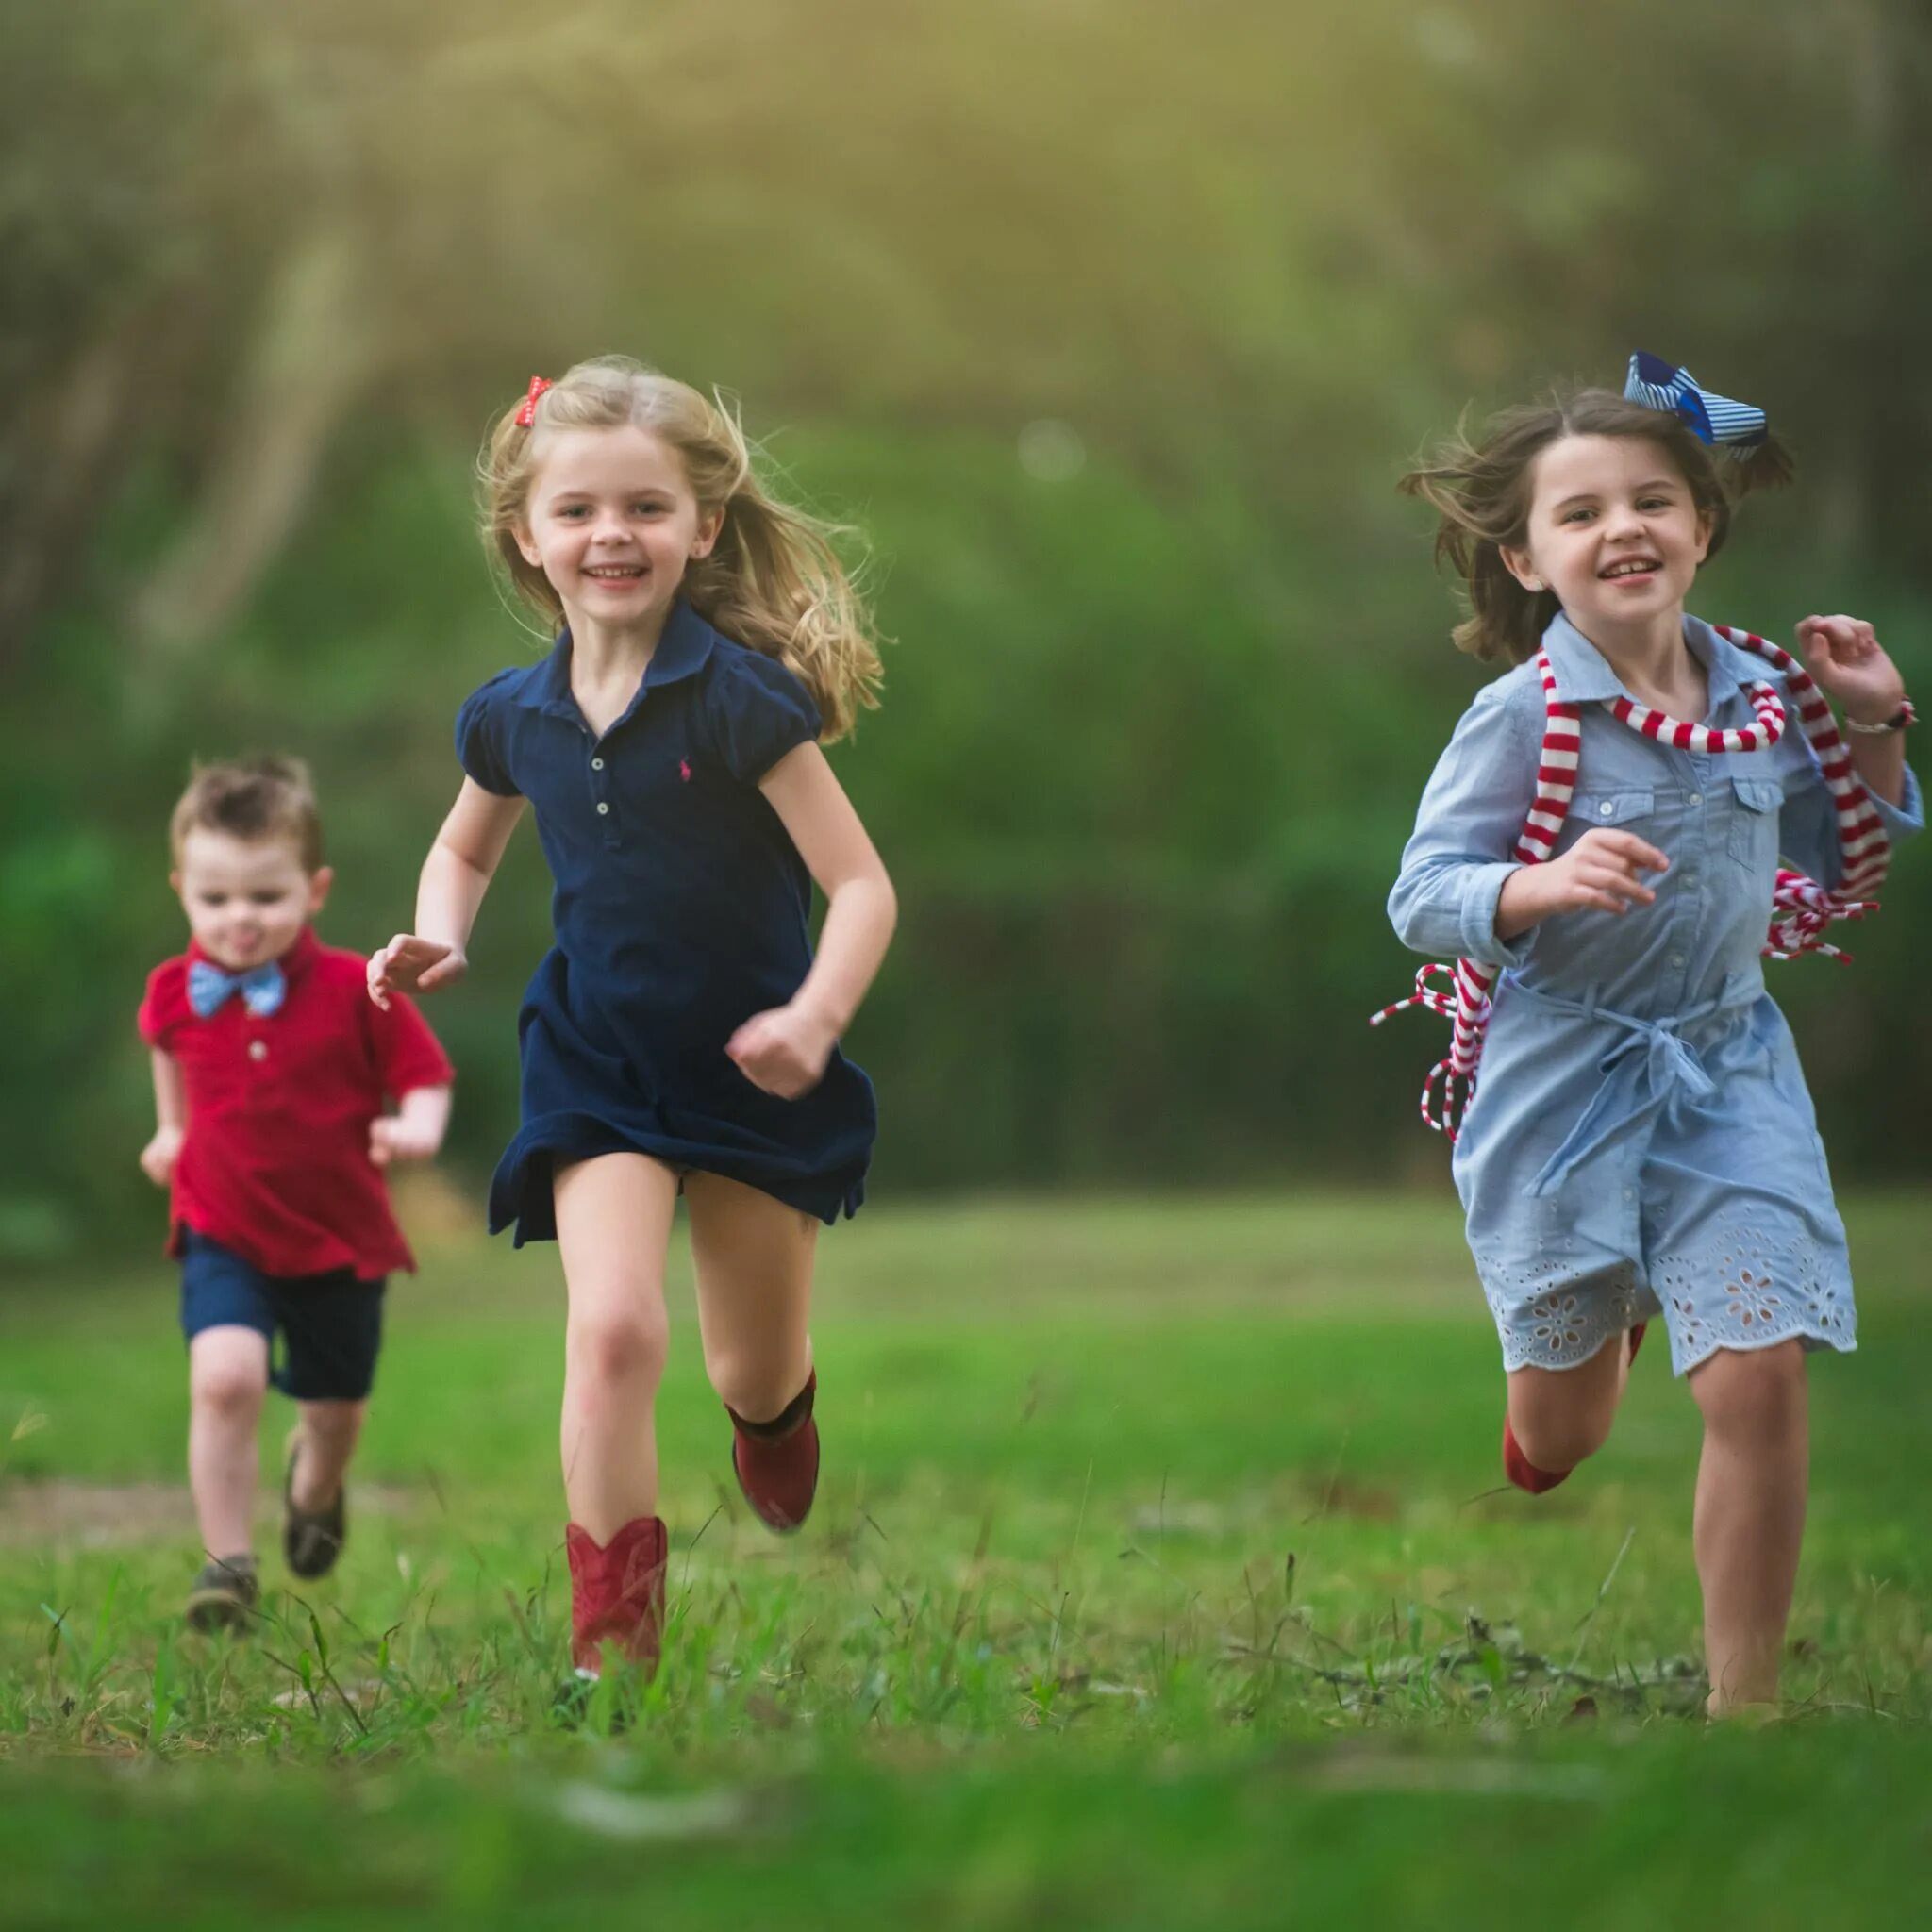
(1109,325)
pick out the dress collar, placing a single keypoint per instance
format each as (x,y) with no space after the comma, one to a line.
(682,652)
(1584,676)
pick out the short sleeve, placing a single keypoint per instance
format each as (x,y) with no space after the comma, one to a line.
(756,712)
(164,1005)
(407,1054)
(479,737)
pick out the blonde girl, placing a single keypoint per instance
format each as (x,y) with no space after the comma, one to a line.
(680,1036)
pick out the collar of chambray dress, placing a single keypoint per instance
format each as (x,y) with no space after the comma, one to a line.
(1584,676)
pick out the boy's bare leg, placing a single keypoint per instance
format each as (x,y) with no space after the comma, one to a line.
(227,1377)
(326,1438)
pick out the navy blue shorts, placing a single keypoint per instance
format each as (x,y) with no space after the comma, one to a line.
(329,1325)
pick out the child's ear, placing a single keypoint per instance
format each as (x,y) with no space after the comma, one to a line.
(1519,566)
(708,527)
(174,883)
(527,543)
(1706,525)
(320,881)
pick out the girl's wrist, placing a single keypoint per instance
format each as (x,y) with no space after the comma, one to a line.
(814,1013)
(1871,722)
(1518,904)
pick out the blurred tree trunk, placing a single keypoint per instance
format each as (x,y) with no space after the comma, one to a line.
(75,427)
(313,355)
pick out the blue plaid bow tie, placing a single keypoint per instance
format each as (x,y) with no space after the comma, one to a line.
(261,988)
(1713,419)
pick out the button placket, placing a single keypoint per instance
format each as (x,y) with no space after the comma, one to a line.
(600,791)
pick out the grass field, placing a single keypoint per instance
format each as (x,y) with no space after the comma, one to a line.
(1159,1576)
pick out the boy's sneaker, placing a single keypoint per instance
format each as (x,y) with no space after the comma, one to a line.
(777,1462)
(312,1539)
(223,1596)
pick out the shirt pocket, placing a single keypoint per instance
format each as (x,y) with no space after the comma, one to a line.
(1622,806)
(1754,822)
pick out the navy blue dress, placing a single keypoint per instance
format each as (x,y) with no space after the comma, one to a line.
(681,908)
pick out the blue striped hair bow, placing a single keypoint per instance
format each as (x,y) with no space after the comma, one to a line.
(1713,419)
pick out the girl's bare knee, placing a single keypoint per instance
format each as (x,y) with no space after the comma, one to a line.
(618,1346)
(1560,1439)
(1561,1416)
(1756,1392)
(756,1385)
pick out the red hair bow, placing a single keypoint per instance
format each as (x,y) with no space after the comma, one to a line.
(526,416)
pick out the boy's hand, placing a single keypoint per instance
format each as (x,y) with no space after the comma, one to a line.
(1843,654)
(395,1136)
(408,964)
(159,1156)
(1598,873)
(783,1050)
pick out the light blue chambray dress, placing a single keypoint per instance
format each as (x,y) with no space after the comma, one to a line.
(1640,1140)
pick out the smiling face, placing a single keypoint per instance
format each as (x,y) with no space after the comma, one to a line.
(1614,530)
(611,521)
(246,899)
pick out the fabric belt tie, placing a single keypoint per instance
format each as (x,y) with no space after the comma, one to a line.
(1647,1071)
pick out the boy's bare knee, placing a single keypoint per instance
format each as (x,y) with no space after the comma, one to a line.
(334,1422)
(232,1389)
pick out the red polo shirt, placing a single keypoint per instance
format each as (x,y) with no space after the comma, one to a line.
(274,1163)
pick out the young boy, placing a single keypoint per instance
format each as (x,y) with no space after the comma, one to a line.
(271,1068)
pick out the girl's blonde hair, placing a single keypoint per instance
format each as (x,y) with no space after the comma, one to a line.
(773,580)
(1482,490)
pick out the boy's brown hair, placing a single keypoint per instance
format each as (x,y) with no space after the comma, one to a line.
(251,798)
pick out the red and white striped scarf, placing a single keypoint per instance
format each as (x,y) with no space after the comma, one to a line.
(1801,908)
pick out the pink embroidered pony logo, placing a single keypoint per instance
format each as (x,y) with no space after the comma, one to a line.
(684,769)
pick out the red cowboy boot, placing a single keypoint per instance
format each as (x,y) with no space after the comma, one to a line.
(617,1592)
(777,1462)
(1520,1469)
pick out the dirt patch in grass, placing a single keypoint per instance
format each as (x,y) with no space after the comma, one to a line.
(97,1516)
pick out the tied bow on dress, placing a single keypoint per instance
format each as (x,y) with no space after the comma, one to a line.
(261,988)
(1648,1068)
